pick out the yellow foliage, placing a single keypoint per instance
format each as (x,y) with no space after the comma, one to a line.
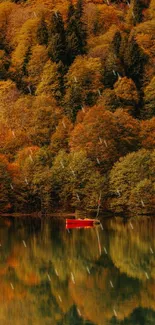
(36,63)
(125,89)
(25,39)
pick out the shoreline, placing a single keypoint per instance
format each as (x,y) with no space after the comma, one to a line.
(64,215)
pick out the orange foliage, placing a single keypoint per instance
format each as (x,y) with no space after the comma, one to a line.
(31,279)
(147,133)
(13,262)
(99,131)
(59,139)
(24,153)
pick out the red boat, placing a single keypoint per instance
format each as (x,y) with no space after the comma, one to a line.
(81,223)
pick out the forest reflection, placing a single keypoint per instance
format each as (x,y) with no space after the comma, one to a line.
(86,276)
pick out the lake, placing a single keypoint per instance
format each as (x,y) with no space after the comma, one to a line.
(95,276)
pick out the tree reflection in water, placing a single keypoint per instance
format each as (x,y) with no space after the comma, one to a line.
(63,278)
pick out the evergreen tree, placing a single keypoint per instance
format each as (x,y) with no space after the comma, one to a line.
(137,11)
(42,32)
(116,43)
(71,11)
(26,60)
(76,32)
(135,60)
(79,8)
(5,182)
(73,102)
(57,39)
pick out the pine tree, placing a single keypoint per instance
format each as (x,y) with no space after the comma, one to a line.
(116,42)
(76,32)
(73,102)
(135,60)
(5,182)
(42,32)
(57,39)
(71,11)
(79,8)
(137,11)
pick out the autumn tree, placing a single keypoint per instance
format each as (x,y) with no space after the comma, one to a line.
(21,54)
(8,96)
(51,80)
(45,118)
(82,185)
(5,12)
(127,94)
(105,136)
(147,133)
(136,11)
(109,100)
(149,100)
(22,114)
(83,84)
(60,137)
(33,180)
(133,175)
(123,95)
(144,191)
(35,66)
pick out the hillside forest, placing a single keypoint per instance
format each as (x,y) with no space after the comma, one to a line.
(77,105)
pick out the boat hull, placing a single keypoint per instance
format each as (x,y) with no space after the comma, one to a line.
(81,223)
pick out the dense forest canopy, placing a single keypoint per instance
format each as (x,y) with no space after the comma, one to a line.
(77,105)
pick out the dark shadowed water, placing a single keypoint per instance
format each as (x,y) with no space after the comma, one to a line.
(97,276)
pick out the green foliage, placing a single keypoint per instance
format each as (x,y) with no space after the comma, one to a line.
(144,191)
(81,185)
(132,183)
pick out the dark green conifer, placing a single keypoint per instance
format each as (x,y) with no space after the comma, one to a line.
(57,39)
(135,60)
(71,11)
(79,8)
(137,12)
(116,43)
(42,32)
(76,32)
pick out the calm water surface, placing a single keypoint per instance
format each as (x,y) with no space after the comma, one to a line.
(97,276)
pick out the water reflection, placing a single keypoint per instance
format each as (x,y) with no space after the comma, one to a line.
(97,276)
